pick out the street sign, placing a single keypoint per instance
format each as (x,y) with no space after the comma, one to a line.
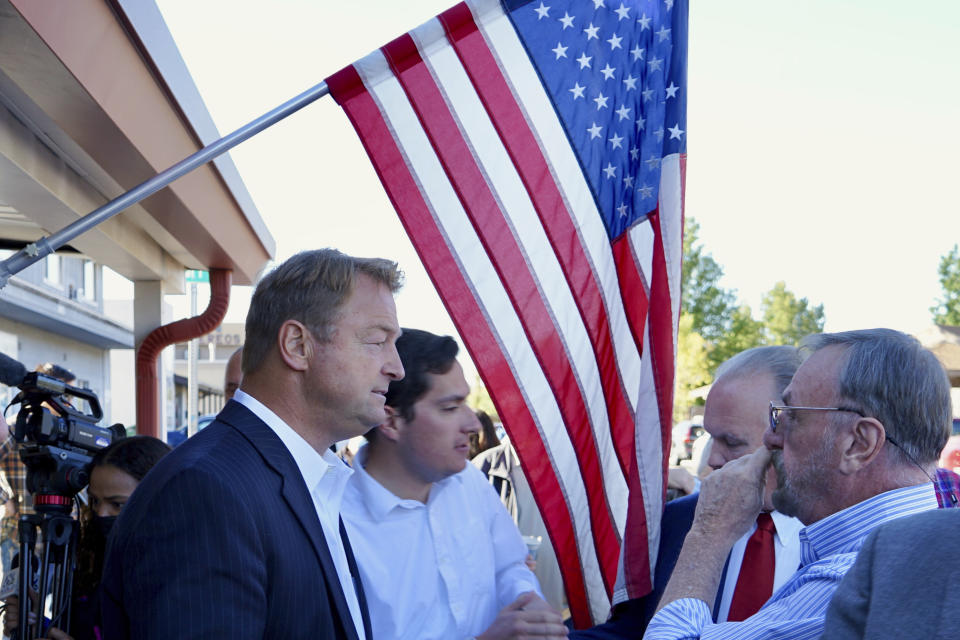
(194,275)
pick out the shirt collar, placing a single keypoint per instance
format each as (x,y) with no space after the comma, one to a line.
(786,526)
(844,531)
(314,467)
(379,500)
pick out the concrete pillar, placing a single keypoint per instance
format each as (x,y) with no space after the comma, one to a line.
(147,308)
(148,314)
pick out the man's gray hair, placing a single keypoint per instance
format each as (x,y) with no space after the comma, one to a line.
(781,362)
(891,377)
(310,287)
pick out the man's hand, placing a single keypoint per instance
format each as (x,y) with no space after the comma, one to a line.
(730,500)
(529,616)
(11,616)
(680,478)
(731,497)
(530,562)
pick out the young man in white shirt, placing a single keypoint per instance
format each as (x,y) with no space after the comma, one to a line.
(440,558)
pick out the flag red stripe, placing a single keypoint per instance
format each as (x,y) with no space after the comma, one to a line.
(534,171)
(635,549)
(498,240)
(633,288)
(661,335)
(347,88)
(636,557)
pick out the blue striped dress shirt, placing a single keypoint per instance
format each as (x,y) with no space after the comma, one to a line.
(828,548)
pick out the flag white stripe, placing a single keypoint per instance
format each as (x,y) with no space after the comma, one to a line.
(671,199)
(649,467)
(641,240)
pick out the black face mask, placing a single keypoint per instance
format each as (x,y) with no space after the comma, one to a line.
(104,524)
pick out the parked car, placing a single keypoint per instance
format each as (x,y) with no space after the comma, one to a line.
(950,456)
(179,435)
(684,433)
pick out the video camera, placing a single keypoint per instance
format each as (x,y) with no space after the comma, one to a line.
(56,439)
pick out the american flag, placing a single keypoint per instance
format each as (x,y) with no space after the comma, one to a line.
(535,154)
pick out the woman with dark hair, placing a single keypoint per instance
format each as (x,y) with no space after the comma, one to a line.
(485,438)
(114,474)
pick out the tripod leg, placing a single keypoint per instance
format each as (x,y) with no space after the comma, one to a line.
(69,567)
(27,534)
(44,578)
(64,559)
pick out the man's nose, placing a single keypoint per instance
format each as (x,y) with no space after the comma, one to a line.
(772,440)
(393,367)
(715,461)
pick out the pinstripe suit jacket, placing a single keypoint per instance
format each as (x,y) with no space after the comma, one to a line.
(221,540)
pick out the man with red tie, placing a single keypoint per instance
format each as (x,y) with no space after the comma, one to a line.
(735,416)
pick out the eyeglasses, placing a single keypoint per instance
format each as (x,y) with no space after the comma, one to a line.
(775,418)
(776,413)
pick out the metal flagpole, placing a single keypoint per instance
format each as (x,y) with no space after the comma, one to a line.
(43,247)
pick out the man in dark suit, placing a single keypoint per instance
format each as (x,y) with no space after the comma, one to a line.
(237,534)
(735,416)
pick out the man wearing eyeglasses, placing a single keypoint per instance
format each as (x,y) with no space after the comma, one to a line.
(854,445)
(768,553)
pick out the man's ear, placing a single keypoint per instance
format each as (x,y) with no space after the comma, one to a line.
(296,345)
(862,444)
(393,426)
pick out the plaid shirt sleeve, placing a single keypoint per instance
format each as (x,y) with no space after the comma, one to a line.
(947,487)
(15,474)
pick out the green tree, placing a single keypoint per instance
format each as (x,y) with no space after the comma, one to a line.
(745,332)
(947,309)
(725,327)
(693,368)
(712,326)
(787,319)
(710,306)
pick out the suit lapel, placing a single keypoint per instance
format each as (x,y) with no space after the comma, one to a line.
(297,496)
(301,503)
(723,581)
(357,582)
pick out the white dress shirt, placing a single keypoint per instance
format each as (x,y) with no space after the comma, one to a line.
(326,478)
(435,571)
(786,549)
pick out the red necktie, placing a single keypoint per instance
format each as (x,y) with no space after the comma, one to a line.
(755,584)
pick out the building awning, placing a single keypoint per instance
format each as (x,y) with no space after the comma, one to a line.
(94,100)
